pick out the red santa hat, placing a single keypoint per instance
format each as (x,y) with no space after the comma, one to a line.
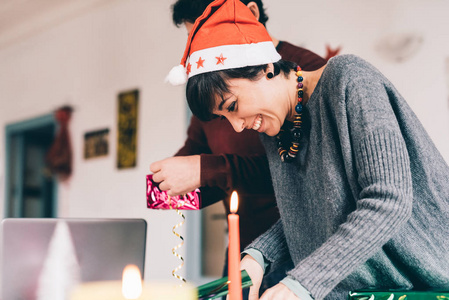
(225,36)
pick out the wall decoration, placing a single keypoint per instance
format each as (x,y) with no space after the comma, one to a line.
(96,143)
(59,156)
(127,129)
(331,52)
(399,47)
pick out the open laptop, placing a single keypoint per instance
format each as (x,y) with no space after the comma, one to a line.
(97,249)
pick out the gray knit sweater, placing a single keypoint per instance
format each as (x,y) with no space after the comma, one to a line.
(366,202)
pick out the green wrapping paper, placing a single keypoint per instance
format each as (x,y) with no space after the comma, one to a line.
(398,295)
(219,287)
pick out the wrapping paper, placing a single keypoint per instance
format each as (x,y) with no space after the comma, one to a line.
(398,295)
(157,199)
(219,288)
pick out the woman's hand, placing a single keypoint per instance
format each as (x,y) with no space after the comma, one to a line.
(279,292)
(255,272)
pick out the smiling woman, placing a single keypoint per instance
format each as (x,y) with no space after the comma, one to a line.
(221,93)
(357,188)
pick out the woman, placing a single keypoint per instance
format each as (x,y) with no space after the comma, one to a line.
(361,189)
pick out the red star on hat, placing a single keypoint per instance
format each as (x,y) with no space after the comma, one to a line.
(189,67)
(199,63)
(220,59)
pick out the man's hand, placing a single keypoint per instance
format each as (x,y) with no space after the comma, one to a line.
(279,292)
(177,175)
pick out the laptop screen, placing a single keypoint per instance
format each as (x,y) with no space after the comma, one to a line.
(38,251)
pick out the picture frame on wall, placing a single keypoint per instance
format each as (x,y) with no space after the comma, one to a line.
(96,143)
(127,129)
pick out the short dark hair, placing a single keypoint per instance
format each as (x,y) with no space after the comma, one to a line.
(190,10)
(202,89)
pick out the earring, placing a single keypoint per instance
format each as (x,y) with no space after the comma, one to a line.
(270,75)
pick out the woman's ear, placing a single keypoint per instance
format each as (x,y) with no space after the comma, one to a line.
(254,9)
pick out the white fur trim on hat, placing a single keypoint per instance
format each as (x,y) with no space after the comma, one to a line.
(231,56)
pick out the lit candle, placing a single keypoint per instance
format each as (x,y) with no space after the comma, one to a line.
(131,282)
(131,287)
(235,278)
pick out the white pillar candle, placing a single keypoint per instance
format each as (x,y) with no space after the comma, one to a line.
(131,287)
(112,290)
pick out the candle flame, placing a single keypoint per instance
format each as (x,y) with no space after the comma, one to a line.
(132,282)
(234,206)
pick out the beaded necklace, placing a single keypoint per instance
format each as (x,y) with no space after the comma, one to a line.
(295,132)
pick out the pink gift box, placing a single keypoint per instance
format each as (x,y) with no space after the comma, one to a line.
(157,199)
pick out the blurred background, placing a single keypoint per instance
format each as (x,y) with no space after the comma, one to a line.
(105,62)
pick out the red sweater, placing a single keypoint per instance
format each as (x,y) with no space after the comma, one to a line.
(236,161)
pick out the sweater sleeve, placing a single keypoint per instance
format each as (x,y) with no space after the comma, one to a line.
(196,144)
(273,246)
(385,204)
(196,141)
(247,174)
(222,173)
(385,197)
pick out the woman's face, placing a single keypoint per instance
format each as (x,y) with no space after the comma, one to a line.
(260,105)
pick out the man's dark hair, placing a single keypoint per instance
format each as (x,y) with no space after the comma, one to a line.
(190,10)
(203,89)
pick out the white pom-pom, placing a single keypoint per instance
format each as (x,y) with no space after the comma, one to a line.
(177,75)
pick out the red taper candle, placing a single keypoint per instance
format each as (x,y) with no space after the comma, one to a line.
(234,275)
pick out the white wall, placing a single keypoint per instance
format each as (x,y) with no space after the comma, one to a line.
(86,62)
(129,44)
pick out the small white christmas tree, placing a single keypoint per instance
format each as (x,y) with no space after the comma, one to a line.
(61,271)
